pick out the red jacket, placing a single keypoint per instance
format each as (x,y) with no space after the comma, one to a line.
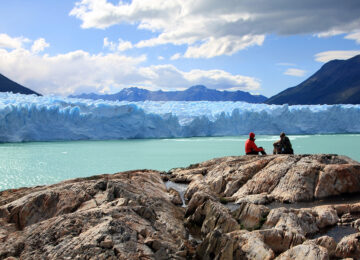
(251,146)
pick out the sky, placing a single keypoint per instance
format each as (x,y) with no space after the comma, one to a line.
(263,47)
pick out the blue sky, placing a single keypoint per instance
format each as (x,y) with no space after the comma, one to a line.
(69,47)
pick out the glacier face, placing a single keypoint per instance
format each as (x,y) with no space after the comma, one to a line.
(47,118)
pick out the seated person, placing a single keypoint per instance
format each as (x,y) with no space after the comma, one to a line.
(251,148)
(283,146)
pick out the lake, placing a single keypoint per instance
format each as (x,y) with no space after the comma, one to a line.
(39,163)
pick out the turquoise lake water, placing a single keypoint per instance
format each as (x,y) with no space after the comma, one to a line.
(38,163)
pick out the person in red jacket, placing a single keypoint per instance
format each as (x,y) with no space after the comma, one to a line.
(251,148)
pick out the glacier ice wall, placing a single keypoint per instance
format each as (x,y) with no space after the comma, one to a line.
(32,118)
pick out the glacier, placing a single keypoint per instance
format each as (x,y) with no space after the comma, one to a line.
(50,118)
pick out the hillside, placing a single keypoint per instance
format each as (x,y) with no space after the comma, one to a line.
(337,82)
(7,85)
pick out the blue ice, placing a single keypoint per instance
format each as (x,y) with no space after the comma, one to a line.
(47,118)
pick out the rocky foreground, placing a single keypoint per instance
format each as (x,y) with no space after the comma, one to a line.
(247,207)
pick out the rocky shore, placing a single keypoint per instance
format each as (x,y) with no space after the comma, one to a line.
(244,207)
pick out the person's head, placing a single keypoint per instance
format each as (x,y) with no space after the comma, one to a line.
(282,135)
(252,136)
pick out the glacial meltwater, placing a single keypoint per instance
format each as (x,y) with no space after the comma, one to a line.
(39,163)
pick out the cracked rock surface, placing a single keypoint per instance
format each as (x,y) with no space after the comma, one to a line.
(121,216)
(267,207)
(237,207)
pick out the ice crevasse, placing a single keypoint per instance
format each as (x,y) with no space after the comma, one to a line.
(47,118)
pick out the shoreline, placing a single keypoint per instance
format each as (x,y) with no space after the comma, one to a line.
(41,163)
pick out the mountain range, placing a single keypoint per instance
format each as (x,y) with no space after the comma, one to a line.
(337,82)
(7,85)
(194,93)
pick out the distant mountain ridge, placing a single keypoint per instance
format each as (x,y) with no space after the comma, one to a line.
(194,93)
(7,85)
(337,82)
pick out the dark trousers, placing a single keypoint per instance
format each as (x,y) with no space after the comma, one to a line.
(256,153)
(287,152)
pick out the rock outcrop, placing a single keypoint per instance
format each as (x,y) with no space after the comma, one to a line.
(286,178)
(281,203)
(247,207)
(122,216)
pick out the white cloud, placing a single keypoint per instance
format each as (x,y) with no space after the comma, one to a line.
(176,56)
(65,73)
(168,76)
(332,55)
(80,71)
(286,64)
(329,33)
(224,45)
(295,72)
(39,45)
(12,43)
(160,58)
(124,45)
(120,46)
(211,28)
(354,36)
(219,79)
(109,44)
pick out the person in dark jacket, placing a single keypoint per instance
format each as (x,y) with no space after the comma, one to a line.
(250,146)
(283,146)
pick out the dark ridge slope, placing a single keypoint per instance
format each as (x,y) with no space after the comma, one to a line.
(337,82)
(7,85)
